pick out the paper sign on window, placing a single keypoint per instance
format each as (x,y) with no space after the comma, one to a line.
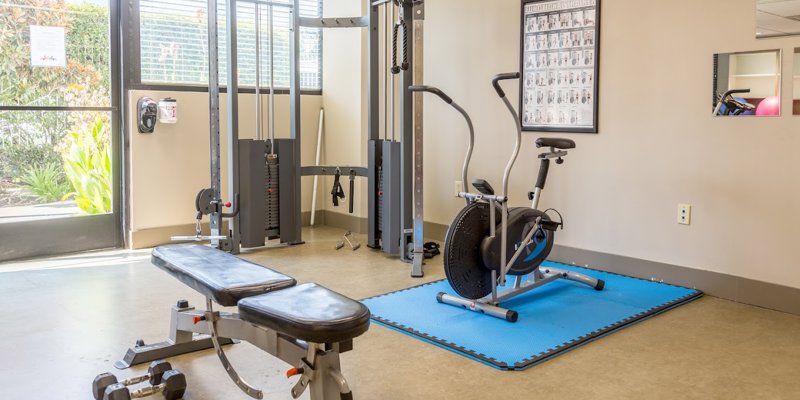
(47,46)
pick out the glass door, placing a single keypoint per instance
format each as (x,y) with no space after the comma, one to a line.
(59,127)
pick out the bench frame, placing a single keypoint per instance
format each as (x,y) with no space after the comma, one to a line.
(319,361)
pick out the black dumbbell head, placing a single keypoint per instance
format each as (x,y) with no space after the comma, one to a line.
(174,385)
(157,370)
(101,382)
(117,391)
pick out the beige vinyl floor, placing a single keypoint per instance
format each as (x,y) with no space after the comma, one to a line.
(67,319)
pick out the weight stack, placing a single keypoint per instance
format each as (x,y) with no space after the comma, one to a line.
(289,193)
(380,199)
(390,207)
(374,198)
(252,173)
(272,197)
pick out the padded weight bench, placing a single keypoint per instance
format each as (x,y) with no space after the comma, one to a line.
(306,325)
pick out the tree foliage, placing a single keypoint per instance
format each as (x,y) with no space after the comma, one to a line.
(22,84)
(31,138)
(87,163)
(47,182)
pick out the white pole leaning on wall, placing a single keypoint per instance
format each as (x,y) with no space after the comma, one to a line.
(316,177)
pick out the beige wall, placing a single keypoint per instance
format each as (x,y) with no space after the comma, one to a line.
(171,165)
(658,145)
(344,100)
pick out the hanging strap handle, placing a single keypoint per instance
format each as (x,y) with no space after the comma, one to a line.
(337,192)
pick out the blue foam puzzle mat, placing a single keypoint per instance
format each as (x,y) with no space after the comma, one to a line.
(553,319)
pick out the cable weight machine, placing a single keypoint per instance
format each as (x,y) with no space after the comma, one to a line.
(397,227)
(264,174)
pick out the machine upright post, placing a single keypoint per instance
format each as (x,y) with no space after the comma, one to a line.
(213,104)
(293,232)
(233,119)
(407,149)
(373,128)
(418,64)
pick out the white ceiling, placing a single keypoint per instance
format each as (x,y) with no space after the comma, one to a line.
(777,18)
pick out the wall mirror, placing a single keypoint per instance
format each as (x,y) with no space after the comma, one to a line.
(776,18)
(796,82)
(747,84)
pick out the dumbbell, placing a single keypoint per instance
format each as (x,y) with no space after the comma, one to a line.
(154,374)
(172,386)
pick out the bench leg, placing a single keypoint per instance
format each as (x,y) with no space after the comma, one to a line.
(321,375)
(211,319)
(329,384)
(179,342)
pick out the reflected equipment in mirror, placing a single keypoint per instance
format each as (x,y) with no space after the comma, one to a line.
(747,84)
(777,18)
(796,82)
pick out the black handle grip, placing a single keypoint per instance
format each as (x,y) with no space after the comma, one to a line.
(735,91)
(431,89)
(352,192)
(502,77)
(544,168)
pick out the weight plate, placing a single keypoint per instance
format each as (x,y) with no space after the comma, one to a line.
(463,263)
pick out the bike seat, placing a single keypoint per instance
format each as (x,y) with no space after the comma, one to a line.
(558,143)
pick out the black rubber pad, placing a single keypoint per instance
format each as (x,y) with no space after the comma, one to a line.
(216,274)
(308,312)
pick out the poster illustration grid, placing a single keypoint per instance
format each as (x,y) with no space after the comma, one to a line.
(559,55)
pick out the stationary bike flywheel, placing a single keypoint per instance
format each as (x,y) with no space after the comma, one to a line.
(463,263)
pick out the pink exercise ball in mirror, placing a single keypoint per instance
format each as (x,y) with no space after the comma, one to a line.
(771,106)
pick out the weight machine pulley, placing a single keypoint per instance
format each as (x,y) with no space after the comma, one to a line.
(206,204)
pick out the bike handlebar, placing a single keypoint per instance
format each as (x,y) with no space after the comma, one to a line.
(502,77)
(433,90)
(735,91)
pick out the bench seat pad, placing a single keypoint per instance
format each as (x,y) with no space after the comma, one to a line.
(218,275)
(308,312)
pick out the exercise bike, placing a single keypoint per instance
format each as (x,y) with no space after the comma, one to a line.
(730,105)
(476,248)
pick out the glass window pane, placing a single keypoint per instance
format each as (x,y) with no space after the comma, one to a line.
(54,53)
(174,43)
(54,164)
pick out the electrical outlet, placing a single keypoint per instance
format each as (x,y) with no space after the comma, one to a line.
(685,214)
(459,188)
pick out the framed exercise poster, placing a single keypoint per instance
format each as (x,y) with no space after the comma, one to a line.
(559,65)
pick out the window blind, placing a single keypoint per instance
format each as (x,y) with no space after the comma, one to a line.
(174,43)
